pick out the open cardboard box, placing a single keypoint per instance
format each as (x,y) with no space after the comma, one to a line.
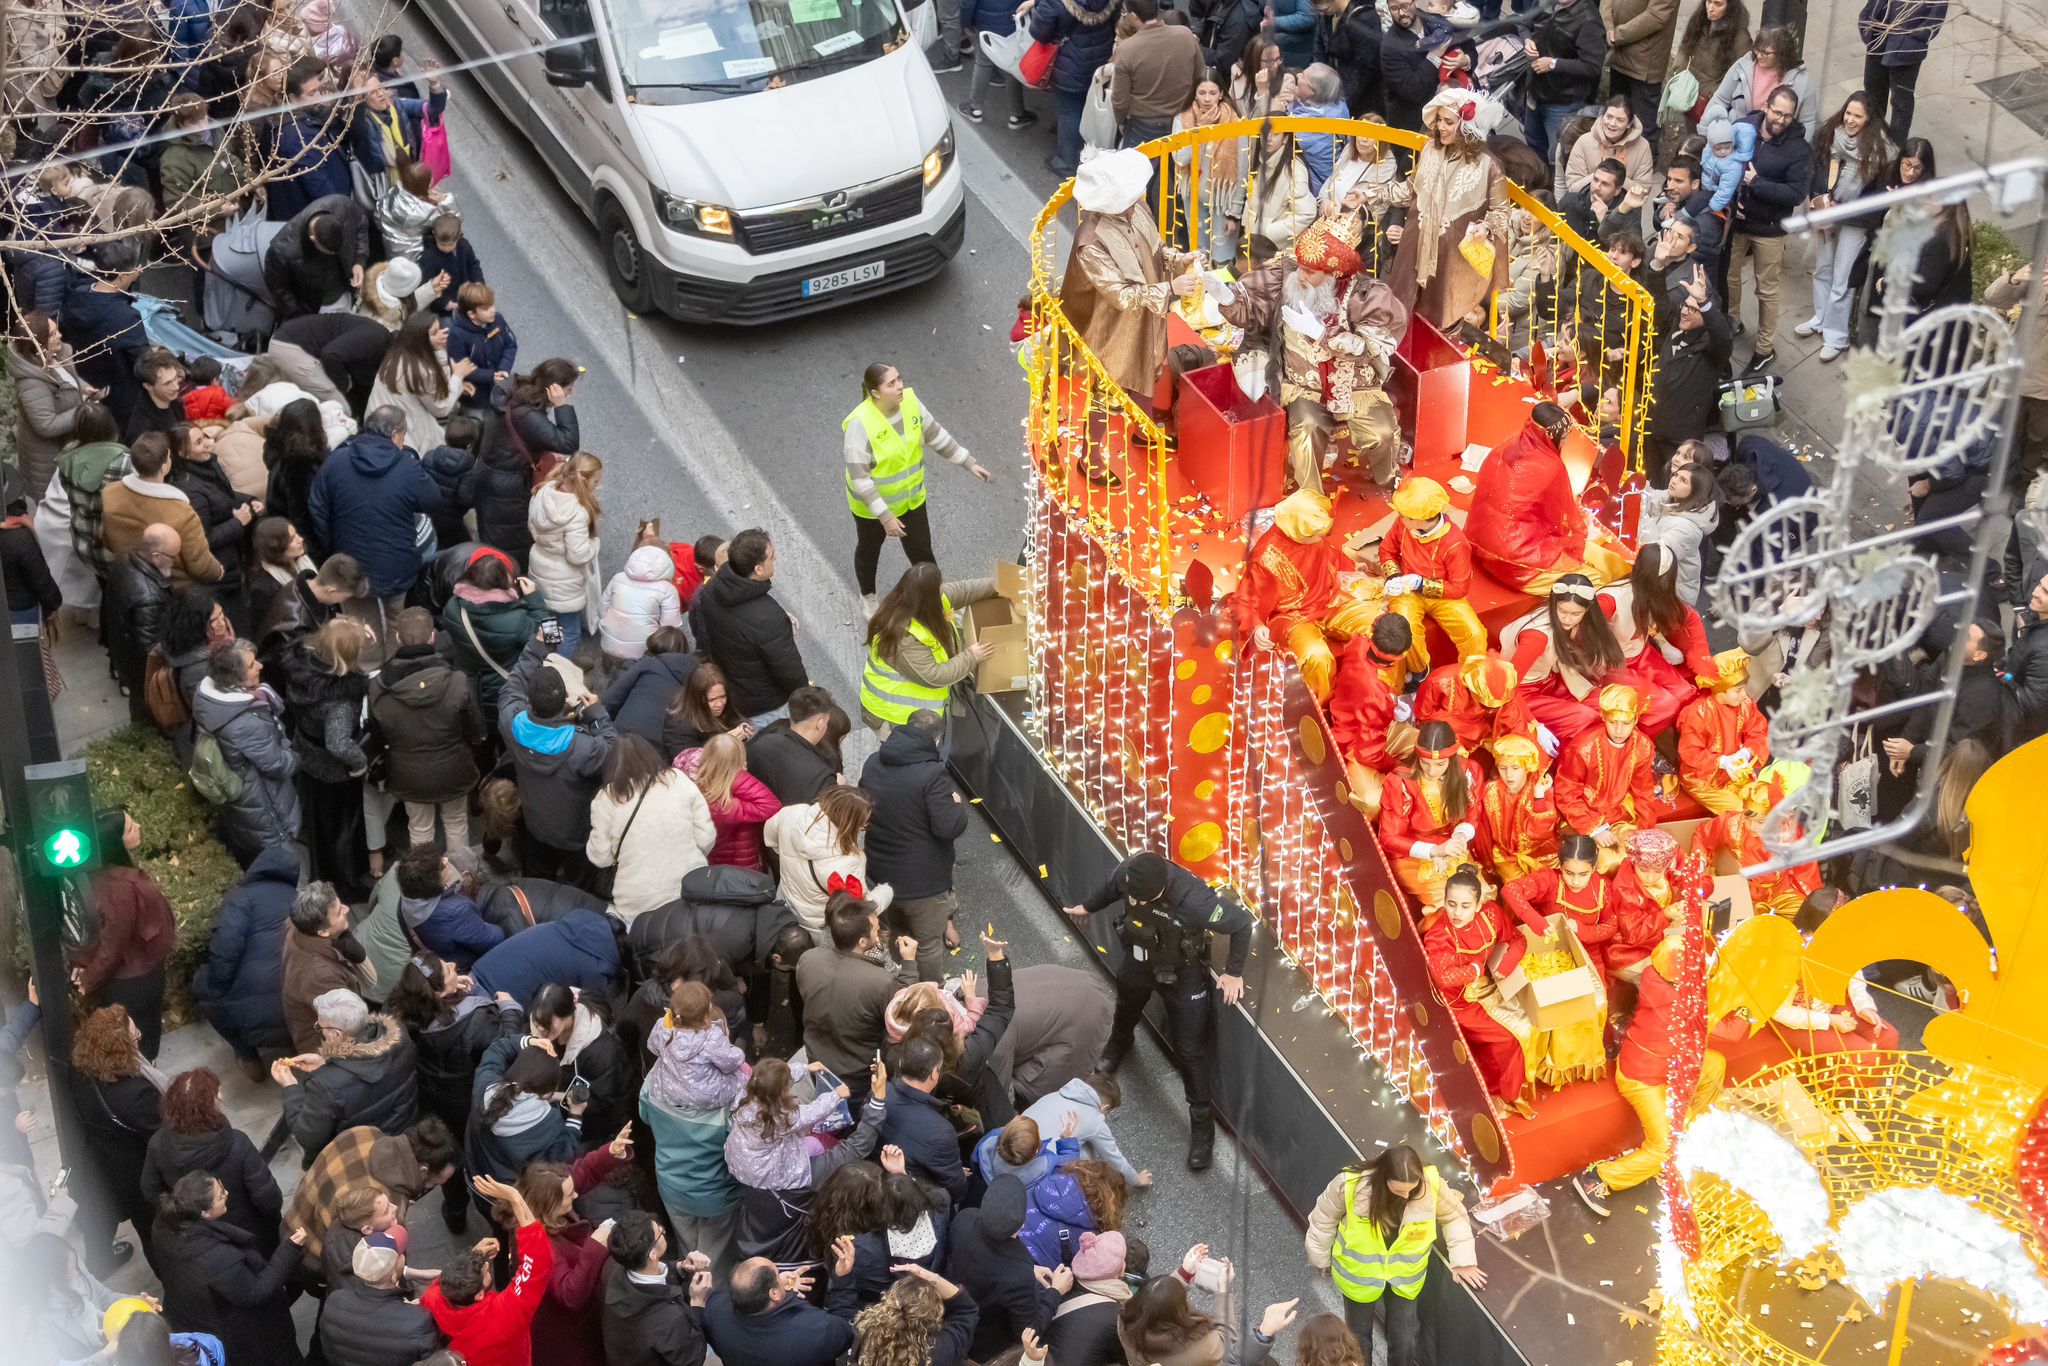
(999,621)
(1553,1002)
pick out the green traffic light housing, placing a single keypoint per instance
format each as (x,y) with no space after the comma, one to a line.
(68,849)
(61,827)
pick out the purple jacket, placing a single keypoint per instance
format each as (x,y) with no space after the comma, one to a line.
(696,1070)
(1056,1218)
(774,1164)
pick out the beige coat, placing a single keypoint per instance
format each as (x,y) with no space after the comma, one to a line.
(1643,30)
(1117,292)
(424,413)
(2007,293)
(133,504)
(1447,1209)
(239,449)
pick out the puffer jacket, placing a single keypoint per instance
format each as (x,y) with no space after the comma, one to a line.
(525,902)
(532,1130)
(48,395)
(513,440)
(563,560)
(735,908)
(1057,1217)
(1681,531)
(808,847)
(365,502)
(454,470)
(640,696)
(779,1163)
(739,823)
(240,986)
(426,712)
(250,728)
(695,1069)
(578,950)
(739,626)
(205,485)
(449,1051)
(368,1079)
(138,594)
(640,600)
(362,1325)
(1086,33)
(254,1201)
(559,763)
(501,623)
(325,712)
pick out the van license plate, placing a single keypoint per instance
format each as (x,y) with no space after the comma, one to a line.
(841,279)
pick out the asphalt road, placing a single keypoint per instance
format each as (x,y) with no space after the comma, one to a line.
(718,430)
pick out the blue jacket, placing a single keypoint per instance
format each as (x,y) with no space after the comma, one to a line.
(987,16)
(461,265)
(493,349)
(1056,1218)
(1294,30)
(366,138)
(1085,31)
(41,281)
(640,695)
(1319,150)
(577,950)
(1897,32)
(315,168)
(931,1150)
(241,984)
(364,503)
(792,1332)
(689,1159)
(1053,1153)
(190,30)
(452,468)
(453,928)
(534,1131)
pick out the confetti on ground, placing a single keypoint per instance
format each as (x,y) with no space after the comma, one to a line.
(974,801)
(1589,1238)
(1641,1209)
(994,838)
(1042,872)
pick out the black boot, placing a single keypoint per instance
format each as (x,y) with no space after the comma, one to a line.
(1113,1055)
(1201,1137)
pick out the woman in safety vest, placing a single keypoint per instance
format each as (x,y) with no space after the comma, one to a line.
(1372,1230)
(914,648)
(885,439)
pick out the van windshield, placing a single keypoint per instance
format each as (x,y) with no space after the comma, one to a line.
(683,50)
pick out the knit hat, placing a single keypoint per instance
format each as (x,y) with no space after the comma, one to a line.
(1720,133)
(1101,1257)
(1419,498)
(1002,1209)
(399,278)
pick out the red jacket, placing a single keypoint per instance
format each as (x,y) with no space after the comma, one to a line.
(1444,560)
(1444,697)
(689,578)
(739,843)
(498,1329)
(1592,911)
(1709,732)
(1361,707)
(1405,817)
(1525,516)
(1593,776)
(566,1331)
(136,934)
(1645,1054)
(1442,942)
(1690,641)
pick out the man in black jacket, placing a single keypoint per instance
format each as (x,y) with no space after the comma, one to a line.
(367,1321)
(1348,38)
(737,909)
(558,753)
(2026,667)
(1686,193)
(793,757)
(1567,49)
(426,711)
(918,815)
(653,1313)
(985,1257)
(318,256)
(1692,361)
(1407,76)
(641,694)
(917,1123)
(363,1074)
(138,597)
(742,629)
(759,1317)
(1773,187)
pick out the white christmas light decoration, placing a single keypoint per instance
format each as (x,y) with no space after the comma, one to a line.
(1904,1233)
(1766,1166)
(1671,1275)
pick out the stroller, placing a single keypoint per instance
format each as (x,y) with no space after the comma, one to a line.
(236,302)
(162,325)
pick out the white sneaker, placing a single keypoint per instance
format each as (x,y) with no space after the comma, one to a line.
(1809,328)
(1828,353)
(868,603)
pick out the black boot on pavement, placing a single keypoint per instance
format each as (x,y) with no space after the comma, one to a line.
(1201,1137)
(1113,1055)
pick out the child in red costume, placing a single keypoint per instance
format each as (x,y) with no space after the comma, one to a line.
(1577,889)
(1361,710)
(1457,939)
(1429,815)
(1739,834)
(1527,526)
(494,1327)
(1723,739)
(1518,818)
(1291,595)
(1478,699)
(1645,902)
(1427,564)
(1606,783)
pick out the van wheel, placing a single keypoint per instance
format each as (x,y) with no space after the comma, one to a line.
(625,261)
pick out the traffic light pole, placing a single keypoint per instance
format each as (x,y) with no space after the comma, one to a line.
(28,735)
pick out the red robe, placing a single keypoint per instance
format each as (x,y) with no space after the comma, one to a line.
(1405,819)
(1709,731)
(1517,823)
(1444,697)
(1667,688)
(1646,1049)
(1781,891)
(1288,582)
(1549,698)
(1595,776)
(1444,560)
(1457,958)
(1593,910)
(1640,920)
(1525,516)
(1361,707)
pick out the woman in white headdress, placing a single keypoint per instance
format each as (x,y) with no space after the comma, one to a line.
(1453,253)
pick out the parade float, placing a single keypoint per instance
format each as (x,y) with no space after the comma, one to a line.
(1126,713)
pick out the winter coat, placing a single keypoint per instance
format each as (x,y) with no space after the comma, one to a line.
(255,1203)
(448,1053)
(1438,1204)
(367,132)
(1060,1028)
(779,1163)
(494,349)
(563,560)
(47,396)
(1408,78)
(917,1123)
(695,1069)
(522,903)
(365,502)
(205,485)
(2026,673)
(514,440)
(1638,170)
(567,1327)
(652,839)
(300,277)
(1681,531)
(451,926)
(426,712)
(502,625)
(1898,32)
(425,411)
(459,262)
(577,950)
(638,697)
(1731,98)
(1223,27)
(215,1281)
(1575,35)
(640,600)
(313,966)
(738,843)
(250,728)
(807,848)
(240,985)
(919,814)
(1057,1216)
(29,585)
(740,627)
(650,1325)
(1690,368)
(988,1261)
(1083,1331)
(369,1079)
(104,329)
(325,711)
(1784,172)
(136,932)
(845,996)
(1077,1097)
(454,470)
(793,768)
(364,1325)
(138,595)
(497,1329)
(559,763)
(132,504)
(1085,31)
(532,1130)
(689,1158)
(735,908)
(1350,42)
(317,168)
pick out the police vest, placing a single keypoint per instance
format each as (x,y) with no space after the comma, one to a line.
(892,695)
(898,469)
(1361,1261)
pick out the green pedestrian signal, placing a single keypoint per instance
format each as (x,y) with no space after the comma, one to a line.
(68,849)
(61,822)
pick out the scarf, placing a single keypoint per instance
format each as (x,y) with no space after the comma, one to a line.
(1446,189)
(1223,168)
(582,1033)
(484,597)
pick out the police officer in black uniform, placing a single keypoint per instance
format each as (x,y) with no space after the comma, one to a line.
(1168,916)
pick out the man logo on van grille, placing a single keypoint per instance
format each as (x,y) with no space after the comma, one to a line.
(838,211)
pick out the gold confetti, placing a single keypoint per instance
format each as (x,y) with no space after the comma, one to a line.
(1631,1318)
(1042,872)
(974,801)
(994,838)
(1589,1238)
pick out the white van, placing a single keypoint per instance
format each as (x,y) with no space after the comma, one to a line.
(744,160)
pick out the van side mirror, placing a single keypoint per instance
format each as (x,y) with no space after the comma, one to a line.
(568,67)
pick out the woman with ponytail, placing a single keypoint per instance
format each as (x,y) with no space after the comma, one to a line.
(215,1279)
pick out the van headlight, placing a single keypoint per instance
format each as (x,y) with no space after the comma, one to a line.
(938,159)
(688,215)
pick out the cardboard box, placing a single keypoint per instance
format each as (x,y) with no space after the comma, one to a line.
(1554,1002)
(999,621)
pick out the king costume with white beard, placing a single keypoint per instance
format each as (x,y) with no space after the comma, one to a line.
(1340,327)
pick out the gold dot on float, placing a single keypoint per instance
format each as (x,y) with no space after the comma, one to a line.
(1224,651)
(1344,845)
(1485,1137)
(1205,789)
(1185,669)
(1388,913)
(1210,733)
(1201,841)
(1201,695)
(1312,740)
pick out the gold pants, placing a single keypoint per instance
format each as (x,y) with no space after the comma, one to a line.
(1374,428)
(1597,562)
(1455,615)
(1309,642)
(1641,1164)
(1719,800)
